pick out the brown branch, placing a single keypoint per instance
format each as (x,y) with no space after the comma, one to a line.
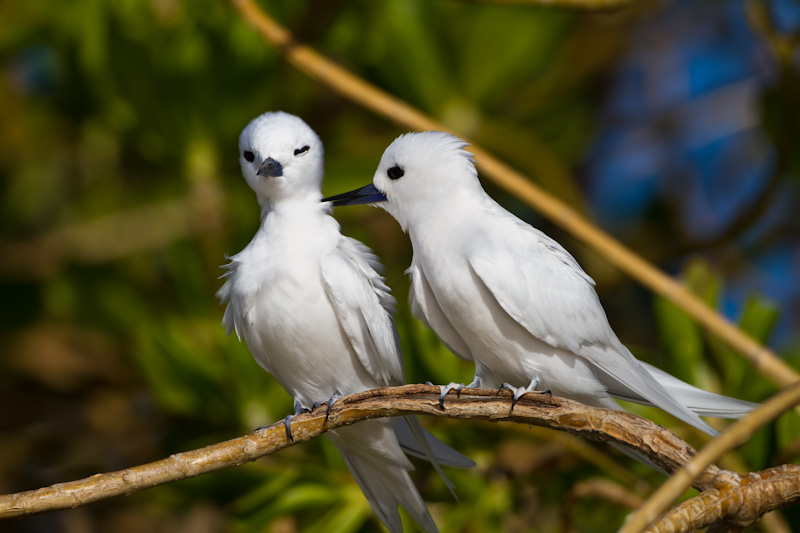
(735,504)
(113,236)
(659,444)
(733,436)
(732,498)
(329,73)
(589,5)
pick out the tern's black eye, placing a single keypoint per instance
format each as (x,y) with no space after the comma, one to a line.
(395,172)
(302,150)
(249,156)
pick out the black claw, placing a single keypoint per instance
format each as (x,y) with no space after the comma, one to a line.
(458,392)
(441,403)
(514,402)
(429,383)
(288,423)
(260,428)
(331,401)
(548,392)
(315,405)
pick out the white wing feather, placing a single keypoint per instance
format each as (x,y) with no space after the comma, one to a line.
(363,306)
(542,288)
(231,320)
(425,307)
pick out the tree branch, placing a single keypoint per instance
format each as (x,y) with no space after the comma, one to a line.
(728,498)
(662,446)
(339,79)
(589,5)
(733,436)
(735,504)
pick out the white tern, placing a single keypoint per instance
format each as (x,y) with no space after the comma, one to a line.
(316,314)
(506,296)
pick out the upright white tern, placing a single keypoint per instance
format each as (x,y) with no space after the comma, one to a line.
(506,296)
(316,314)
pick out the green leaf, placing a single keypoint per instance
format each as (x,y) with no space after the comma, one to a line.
(681,339)
(787,431)
(759,317)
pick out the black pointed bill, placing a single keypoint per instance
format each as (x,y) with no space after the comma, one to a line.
(365,195)
(270,168)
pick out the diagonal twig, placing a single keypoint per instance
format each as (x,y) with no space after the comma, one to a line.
(733,436)
(737,505)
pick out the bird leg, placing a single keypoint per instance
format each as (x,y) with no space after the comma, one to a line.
(519,392)
(298,409)
(447,388)
(335,396)
(476,384)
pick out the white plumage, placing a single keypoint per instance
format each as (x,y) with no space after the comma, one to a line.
(316,314)
(506,296)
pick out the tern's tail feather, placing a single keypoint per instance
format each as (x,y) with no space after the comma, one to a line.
(689,399)
(702,402)
(417,442)
(409,442)
(371,452)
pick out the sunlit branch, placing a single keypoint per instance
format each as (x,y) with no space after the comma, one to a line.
(588,5)
(777,487)
(733,436)
(138,229)
(662,446)
(739,503)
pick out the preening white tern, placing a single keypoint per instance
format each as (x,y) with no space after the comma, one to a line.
(506,296)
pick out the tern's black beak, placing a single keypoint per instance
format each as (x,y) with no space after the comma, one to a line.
(365,195)
(270,168)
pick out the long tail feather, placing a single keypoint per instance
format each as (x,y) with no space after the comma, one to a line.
(372,454)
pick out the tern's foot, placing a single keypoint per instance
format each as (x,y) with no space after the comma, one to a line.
(335,396)
(447,388)
(298,409)
(520,391)
(476,383)
(288,423)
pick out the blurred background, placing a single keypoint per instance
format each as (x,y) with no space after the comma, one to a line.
(674,125)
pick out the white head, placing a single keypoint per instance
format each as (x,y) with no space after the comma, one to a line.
(281,158)
(418,173)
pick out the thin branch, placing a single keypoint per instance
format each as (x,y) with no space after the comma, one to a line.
(116,235)
(733,436)
(588,5)
(724,490)
(662,446)
(735,505)
(783,47)
(329,73)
